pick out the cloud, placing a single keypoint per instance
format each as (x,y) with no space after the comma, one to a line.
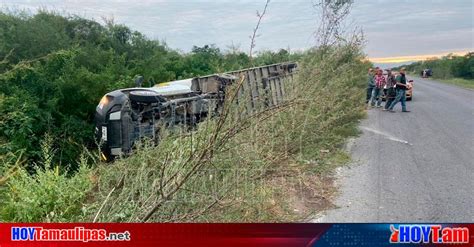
(393,28)
(402,59)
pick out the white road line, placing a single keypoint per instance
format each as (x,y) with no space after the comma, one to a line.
(388,136)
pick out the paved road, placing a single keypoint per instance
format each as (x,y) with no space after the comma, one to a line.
(412,167)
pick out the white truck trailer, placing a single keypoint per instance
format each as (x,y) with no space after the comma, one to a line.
(126,115)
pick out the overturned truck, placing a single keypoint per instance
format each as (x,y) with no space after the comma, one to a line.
(127,115)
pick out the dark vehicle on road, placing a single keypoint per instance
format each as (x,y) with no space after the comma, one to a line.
(426,73)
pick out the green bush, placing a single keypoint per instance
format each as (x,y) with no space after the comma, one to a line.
(45,194)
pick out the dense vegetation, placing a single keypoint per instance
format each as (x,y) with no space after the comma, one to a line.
(268,166)
(54,69)
(232,168)
(446,67)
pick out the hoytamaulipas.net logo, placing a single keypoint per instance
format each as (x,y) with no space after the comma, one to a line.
(75,234)
(434,234)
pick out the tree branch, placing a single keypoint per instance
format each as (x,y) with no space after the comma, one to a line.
(255,30)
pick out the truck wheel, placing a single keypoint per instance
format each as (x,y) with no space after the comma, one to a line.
(145,96)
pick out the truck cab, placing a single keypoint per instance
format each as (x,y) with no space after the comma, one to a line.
(124,116)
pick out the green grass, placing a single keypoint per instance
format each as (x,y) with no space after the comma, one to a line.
(465,83)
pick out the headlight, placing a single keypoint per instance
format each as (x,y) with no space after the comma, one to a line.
(104,101)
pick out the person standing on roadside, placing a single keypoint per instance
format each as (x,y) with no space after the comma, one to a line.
(401,86)
(377,90)
(390,93)
(370,85)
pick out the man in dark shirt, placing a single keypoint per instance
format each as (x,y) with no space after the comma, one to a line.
(401,86)
(370,84)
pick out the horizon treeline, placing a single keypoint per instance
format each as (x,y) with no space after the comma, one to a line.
(55,68)
(446,67)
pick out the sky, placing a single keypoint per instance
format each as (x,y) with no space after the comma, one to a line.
(395,31)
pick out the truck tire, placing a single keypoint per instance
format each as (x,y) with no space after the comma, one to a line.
(144,96)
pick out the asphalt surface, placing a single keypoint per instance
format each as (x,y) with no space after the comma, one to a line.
(412,167)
